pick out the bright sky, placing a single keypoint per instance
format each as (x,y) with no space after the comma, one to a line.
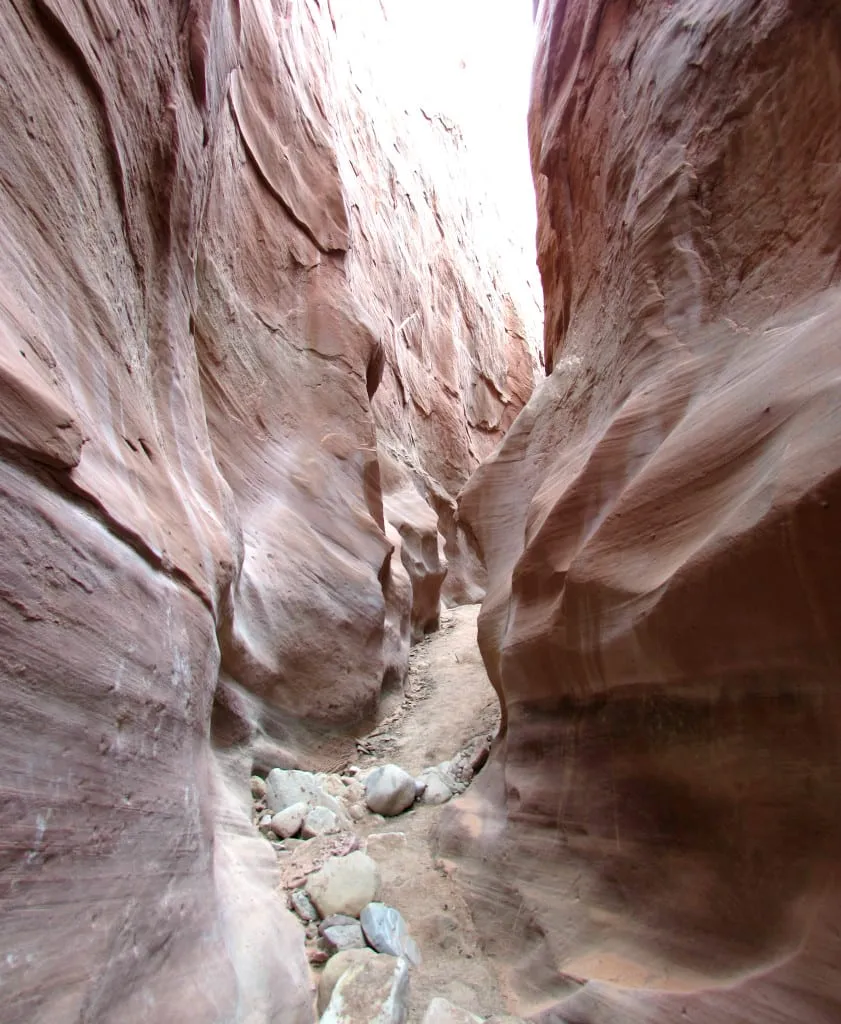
(471,60)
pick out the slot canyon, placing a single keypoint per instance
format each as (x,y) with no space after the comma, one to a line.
(420,431)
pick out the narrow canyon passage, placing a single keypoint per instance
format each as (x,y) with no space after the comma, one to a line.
(420,578)
(442,724)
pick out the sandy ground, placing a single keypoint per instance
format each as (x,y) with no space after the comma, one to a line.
(448,702)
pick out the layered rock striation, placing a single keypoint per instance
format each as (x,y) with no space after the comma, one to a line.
(209,266)
(656,837)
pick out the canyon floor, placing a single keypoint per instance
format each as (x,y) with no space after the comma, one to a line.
(448,704)
(447,707)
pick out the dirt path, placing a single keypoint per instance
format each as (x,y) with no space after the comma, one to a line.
(448,703)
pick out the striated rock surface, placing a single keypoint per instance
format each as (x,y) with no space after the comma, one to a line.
(656,836)
(197,576)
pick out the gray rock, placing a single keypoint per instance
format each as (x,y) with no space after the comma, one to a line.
(441,1011)
(320,821)
(287,787)
(333,919)
(344,885)
(436,790)
(455,774)
(302,905)
(336,967)
(287,823)
(372,992)
(339,937)
(389,790)
(386,932)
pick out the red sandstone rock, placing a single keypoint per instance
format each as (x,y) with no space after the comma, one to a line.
(195,565)
(656,837)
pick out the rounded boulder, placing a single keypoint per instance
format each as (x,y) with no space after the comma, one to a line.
(389,790)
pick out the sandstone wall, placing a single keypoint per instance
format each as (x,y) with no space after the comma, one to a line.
(197,569)
(657,836)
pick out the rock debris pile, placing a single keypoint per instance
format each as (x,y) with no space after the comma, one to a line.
(360,949)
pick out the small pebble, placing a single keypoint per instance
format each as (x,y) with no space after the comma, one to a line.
(302,905)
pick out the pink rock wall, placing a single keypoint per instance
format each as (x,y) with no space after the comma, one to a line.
(196,567)
(656,838)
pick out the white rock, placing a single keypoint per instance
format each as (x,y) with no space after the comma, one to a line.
(288,822)
(435,788)
(441,1011)
(344,885)
(287,787)
(336,967)
(376,992)
(386,932)
(320,821)
(389,790)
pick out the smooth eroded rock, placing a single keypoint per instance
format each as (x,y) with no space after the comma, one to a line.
(389,790)
(662,535)
(196,576)
(336,967)
(371,992)
(289,787)
(338,937)
(344,885)
(386,932)
(288,822)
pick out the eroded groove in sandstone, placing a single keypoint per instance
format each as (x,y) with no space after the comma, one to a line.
(655,837)
(228,474)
